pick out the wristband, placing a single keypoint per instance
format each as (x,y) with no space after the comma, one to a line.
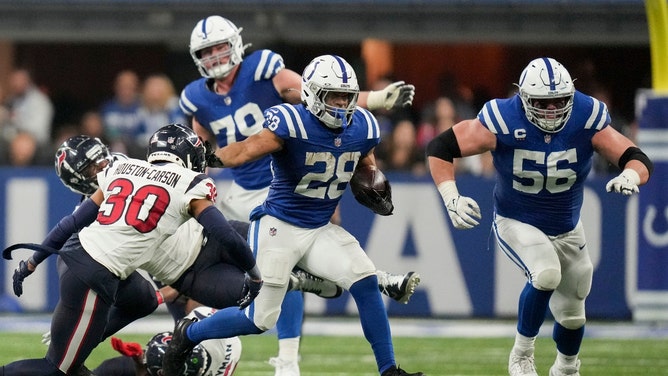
(375,100)
(159,297)
(448,189)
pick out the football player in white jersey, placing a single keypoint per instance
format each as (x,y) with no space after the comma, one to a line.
(77,162)
(542,140)
(120,228)
(314,149)
(213,277)
(210,358)
(227,106)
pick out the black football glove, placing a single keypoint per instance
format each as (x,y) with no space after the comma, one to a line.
(20,273)
(379,202)
(212,159)
(249,292)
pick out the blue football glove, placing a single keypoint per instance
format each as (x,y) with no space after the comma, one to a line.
(20,273)
(249,292)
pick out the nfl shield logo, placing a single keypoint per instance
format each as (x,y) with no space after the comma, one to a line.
(548,138)
(337,142)
(272,231)
(170,140)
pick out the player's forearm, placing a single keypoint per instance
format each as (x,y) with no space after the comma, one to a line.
(441,170)
(641,169)
(233,155)
(220,230)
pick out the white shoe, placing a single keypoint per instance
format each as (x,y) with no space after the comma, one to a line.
(564,370)
(284,367)
(399,287)
(521,365)
(301,280)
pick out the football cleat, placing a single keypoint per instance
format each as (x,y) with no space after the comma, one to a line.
(396,371)
(565,370)
(301,280)
(176,354)
(284,367)
(398,287)
(521,365)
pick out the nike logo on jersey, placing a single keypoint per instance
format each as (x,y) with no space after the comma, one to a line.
(581,247)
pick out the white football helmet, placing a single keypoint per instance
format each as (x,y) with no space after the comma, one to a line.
(209,32)
(329,74)
(546,78)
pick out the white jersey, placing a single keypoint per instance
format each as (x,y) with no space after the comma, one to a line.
(177,253)
(224,353)
(143,205)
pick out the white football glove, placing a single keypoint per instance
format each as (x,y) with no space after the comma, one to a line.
(625,183)
(395,95)
(464,211)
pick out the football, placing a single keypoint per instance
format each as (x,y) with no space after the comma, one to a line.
(367,177)
(372,189)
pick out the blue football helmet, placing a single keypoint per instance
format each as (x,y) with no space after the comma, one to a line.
(78,160)
(178,144)
(196,365)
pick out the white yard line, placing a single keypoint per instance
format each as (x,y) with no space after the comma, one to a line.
(401,327)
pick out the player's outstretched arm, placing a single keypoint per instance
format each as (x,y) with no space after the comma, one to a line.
(250,149)
(395,95)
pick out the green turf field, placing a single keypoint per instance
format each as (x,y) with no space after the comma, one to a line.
(342,356)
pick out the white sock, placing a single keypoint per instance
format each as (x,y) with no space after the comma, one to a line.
(566,360)
(288,349)
(524,345)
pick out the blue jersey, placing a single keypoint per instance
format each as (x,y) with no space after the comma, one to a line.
(239,114)
(313,168)
(540,175)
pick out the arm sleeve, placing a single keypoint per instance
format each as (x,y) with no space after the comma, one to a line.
(220,229)
(82,217)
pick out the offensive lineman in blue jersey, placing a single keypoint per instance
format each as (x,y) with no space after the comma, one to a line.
(227,106)
(542,141)
(314,149)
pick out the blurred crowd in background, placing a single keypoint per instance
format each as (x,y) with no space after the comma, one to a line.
(137,106)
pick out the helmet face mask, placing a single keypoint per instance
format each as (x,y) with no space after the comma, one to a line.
(330,90)
(176,143)
(78,160)
(546,90)
(216,31)
(196,365)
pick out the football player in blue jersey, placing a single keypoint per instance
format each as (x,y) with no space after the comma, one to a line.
(542,140)
(227,105)
(314,149)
